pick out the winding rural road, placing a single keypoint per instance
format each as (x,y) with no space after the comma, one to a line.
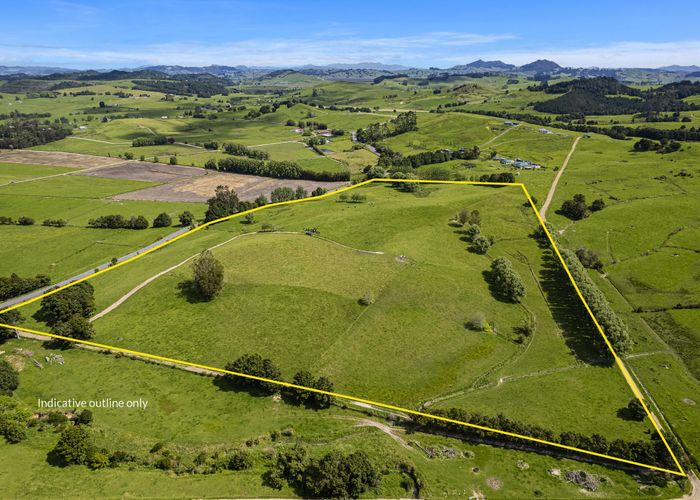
(553,187)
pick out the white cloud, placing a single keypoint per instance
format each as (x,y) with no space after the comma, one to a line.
(322,48)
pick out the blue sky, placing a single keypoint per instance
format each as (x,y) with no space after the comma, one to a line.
(115,34)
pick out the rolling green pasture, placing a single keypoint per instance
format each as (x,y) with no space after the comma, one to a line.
(289,286)
(176,417)
(13,172)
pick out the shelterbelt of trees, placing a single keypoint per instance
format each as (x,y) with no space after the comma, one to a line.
(272,168)
(404,122)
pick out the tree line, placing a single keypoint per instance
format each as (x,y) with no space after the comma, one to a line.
(614,328)
(648,452)
(155,140)
(14,285)
(273,168)
(242,150)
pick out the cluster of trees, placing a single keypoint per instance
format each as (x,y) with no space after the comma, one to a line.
(272,168)
(506,281)
(155,140)
(404,122)
(432,157)
(119,222)
(471,221)
(614,328)
(242,150)
(11,318)
(67,312)
(199,85)
(14,285)
(20,134)
(648,452)
(577,209)
(352,198)
(663,146)
(335,475)
(263,110)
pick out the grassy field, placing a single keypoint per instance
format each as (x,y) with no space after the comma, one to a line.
(176,417)
(63,252)
(264,306)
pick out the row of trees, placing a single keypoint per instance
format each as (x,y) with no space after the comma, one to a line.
(117,221)
(14,285)
(22,221)
(431,157)
(272,168)
(614,328)
(404,122)
(648,452)
(155,140)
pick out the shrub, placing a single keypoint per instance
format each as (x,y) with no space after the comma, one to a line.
(254,364)
(240,460)
(636,410)
(367,299)
(25,221)
(477,322)
(173,160)
(74,446)
(54,222)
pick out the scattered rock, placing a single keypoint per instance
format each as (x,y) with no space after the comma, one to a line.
(522,465)
(689,401)
(583,479)
(476,470)
(494,483)
(403,259)
(555,472)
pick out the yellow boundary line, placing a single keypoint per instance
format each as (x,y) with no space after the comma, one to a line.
(618,361)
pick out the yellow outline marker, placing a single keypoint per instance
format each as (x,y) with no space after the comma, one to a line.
(618,361)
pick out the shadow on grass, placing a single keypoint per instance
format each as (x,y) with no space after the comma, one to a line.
(188,290)
(580,333)
(241,385)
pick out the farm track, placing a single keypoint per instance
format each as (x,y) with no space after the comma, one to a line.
(98,140)
(144,283)
(497,137)
(553,188)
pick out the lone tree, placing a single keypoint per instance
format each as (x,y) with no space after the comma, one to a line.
(208,275)
(636,410)
(162,220)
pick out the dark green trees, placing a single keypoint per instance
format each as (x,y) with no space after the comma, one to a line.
(162,220)
(256,365)
(74,446)
(186,218)
(506,281)
(224,202)
(9,378)
(62,306)
(208,275)
(310,398)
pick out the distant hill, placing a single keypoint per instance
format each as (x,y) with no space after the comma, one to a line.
(481,65)
(680,69)
(540,66)
(32,70)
